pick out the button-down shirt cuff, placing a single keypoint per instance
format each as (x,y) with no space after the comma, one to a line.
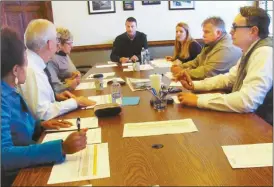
(198,85)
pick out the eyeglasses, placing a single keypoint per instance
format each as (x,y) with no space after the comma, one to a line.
(234,27)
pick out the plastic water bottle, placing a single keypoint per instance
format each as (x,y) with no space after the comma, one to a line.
(143,56)
(116,93)
(147,59)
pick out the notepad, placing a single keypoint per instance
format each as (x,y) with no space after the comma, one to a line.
(161,63)
(88,85)
(130,101)
(93,136)
(90,163)
(142,67)
(100,99)
(90,122)
(249,155)
(106,66)
(159,128)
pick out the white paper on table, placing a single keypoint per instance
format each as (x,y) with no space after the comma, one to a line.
(173,84)
(88,85)
(88,185)
(143,67)
(169,75)
(127,64)
(93,136)
(90,122)
(110,74)
(175,99)
(100,99)
(249,155)
(110,62)
(158,128)
(106,66)
(161,63)
(90,163)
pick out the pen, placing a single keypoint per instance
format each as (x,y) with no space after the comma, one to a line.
(78,123)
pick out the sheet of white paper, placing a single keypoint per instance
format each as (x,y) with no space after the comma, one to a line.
(169,75)
(249,155)
(127,64)
(93,136)
(110,74)
(161,63)
(106,66)
(90,163)
(90,122)
(110,62)
(143,67)
(100,99)
(175,84)
(88,85)
(175,99)
(158,128)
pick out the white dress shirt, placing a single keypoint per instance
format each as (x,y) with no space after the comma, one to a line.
(38,92)
(256,84)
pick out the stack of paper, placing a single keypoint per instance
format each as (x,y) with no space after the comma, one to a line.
(138,84)
(90,163)
(88,85)
(142,67)
(161,63)
(93,136)
(106,66)
(100,99)
(174,84)
(111,74)
(249,155)
(159,127)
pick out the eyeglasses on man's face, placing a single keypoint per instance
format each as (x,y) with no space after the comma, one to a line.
(234,26)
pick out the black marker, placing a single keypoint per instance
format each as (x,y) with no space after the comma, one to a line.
(78,122)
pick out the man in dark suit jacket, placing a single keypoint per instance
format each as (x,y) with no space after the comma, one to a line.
(128,45)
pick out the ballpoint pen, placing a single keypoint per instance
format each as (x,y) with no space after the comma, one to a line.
(78,122)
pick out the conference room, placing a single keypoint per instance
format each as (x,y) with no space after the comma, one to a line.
(159,93)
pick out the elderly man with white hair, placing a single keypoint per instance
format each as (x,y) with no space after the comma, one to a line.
(41,41)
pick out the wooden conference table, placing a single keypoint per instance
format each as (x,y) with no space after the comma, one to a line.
(185,160)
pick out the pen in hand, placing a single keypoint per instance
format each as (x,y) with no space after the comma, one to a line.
(78,122)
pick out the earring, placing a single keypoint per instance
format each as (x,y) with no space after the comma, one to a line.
(16,81)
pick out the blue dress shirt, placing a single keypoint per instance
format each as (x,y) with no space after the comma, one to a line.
(18,149)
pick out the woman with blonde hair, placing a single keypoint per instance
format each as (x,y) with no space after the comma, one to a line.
(186,48)
(64,74)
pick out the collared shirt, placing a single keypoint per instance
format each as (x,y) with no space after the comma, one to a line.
(18,150)
(38,93)
(60,68)
(256,85)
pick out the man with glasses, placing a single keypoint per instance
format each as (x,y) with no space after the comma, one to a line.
(217,56)
(40,39)
(250,80)
(63,72)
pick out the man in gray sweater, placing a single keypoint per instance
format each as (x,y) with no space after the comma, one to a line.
(217,56)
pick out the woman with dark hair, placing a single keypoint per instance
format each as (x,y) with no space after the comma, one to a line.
(19,130)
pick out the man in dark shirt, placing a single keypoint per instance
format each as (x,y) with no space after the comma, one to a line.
(127,46)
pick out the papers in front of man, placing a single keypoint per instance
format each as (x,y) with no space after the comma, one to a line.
(100,99)
(105,75)
(249,155)
(93,136)
(175,99)
(159,128)
(138,84)
(106,66)
(90,122)
(161,63)
(175,84)
(142,67)
(90,163)
(169,75)
(88,85)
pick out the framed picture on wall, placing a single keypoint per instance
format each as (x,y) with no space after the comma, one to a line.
(128,5)
(151,2)
(181,5)
(101,7)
